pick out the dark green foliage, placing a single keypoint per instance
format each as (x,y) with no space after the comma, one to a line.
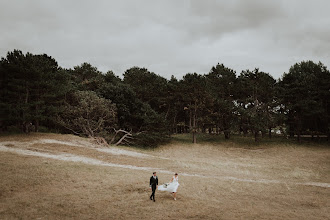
(32,87)
(305,94)
(87,114)
(129,106)
(86,77)
(176,114)
(38,95)
(151,139)
(197,101)
(153,131)
(148,87)
(221,83)
(144,106)
(256,101)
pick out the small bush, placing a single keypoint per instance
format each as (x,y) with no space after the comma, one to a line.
(151,139)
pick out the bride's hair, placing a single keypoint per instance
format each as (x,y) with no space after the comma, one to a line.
(176,174)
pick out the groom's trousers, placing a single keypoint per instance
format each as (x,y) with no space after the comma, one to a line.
(153,187)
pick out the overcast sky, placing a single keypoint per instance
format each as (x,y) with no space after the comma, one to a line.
(171,37)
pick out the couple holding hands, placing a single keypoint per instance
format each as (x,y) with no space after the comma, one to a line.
(171,187)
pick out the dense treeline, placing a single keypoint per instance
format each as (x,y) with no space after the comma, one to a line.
(144,108)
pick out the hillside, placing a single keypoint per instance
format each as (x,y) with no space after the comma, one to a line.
(52,176)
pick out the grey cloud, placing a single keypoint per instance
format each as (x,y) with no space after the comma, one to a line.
(169,37)
(212,19)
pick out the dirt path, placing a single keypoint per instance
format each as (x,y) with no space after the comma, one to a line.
(21,148)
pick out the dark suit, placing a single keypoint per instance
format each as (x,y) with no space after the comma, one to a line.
(153,184)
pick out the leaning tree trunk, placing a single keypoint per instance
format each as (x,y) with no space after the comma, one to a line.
(127,135)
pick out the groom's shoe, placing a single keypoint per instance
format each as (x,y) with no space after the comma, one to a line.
(154,200)
(150,198)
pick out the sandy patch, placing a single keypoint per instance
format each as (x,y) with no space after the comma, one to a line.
(109,150)
(91,161)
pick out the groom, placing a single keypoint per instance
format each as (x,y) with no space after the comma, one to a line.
(153,185)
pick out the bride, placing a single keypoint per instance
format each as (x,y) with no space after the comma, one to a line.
(172,186)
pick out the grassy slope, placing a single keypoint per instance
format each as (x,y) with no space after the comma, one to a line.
(34,187)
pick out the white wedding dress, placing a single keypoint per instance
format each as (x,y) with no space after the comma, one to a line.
(170,187)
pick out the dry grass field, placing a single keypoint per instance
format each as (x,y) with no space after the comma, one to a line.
(51,176)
